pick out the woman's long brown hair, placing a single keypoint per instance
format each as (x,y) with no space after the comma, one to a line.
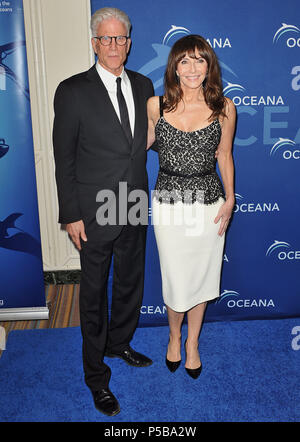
(212,85)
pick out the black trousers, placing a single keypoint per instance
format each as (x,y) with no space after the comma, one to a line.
(98,333)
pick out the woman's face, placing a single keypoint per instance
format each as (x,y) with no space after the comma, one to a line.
(192,71)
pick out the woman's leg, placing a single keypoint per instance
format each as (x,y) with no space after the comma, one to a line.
(175,321)
(195,319)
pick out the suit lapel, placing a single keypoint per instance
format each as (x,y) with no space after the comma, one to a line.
(93,76)
(137,98)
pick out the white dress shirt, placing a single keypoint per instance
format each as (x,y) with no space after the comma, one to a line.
(109,81)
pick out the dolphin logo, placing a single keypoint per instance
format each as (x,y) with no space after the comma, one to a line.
(284,28)
(275,246)
(280,143)
(8,223)
(3,147)
(238,196)
(225,295)
(21,241)
(232,87)
(174,31)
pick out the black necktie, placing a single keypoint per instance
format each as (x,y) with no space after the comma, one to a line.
(123,111)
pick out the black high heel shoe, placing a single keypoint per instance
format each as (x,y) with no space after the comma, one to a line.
(193,372)
(172,365)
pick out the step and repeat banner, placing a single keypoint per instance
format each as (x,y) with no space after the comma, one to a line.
(258,46)
(22,294)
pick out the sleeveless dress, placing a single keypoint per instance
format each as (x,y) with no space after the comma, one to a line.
(187,196)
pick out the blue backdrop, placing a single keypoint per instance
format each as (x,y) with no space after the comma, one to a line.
(258,46)
(21,270)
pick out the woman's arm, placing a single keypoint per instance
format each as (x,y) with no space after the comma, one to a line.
(153,115)
(226,166)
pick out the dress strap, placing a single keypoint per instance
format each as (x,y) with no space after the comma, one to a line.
(161,102)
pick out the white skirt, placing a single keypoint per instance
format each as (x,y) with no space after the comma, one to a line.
(190,252)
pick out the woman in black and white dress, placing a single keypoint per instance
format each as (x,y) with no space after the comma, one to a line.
(190,210)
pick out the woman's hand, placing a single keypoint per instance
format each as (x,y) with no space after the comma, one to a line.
(224,214)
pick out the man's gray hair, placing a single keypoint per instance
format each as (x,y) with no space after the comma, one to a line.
(106,13)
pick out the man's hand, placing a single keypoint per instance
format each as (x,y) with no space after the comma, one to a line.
(76,231)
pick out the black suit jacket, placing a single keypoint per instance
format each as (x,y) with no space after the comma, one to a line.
(91,150)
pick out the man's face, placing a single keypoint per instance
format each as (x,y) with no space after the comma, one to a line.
(113,56)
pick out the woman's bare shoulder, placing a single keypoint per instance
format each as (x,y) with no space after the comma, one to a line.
(229,107)
(153,102)
(153,106)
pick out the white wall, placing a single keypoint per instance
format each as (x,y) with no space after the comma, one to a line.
(58,46)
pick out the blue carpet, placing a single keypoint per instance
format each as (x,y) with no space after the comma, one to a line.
(250,374)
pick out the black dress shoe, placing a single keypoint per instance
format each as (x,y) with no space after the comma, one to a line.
(106,402)
(172,365)
(131,357)
(193,372)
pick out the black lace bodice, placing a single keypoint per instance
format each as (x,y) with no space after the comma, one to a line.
(187,164)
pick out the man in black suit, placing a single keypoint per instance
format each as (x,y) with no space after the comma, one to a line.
(99,138)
